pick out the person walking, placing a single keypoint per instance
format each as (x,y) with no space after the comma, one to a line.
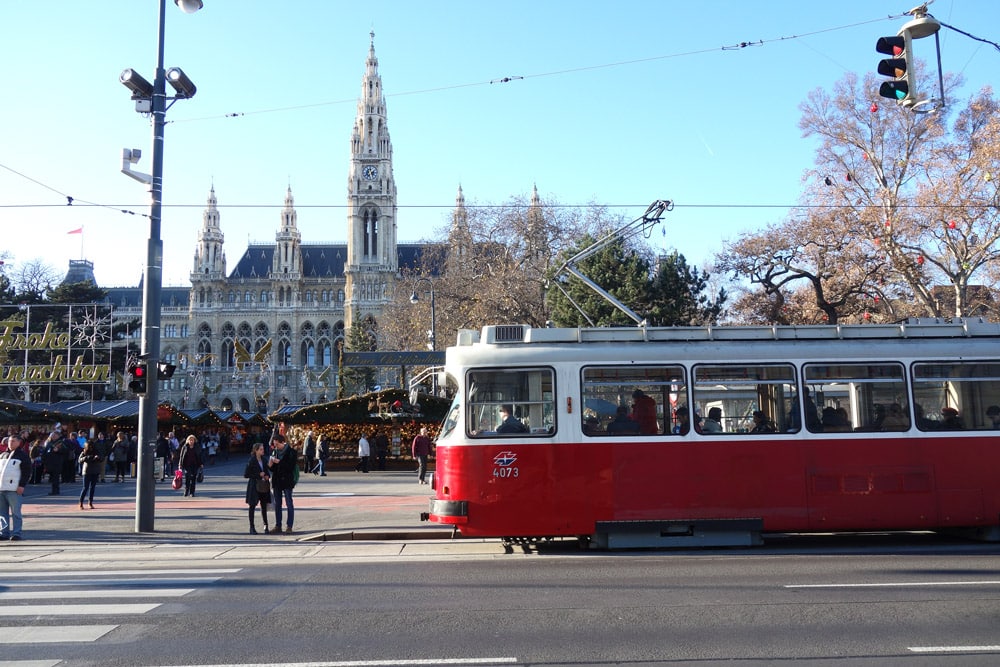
(258,486)
(364,454)
(90,468)
(190,462)
(163,454)
(421,448)
(54,459)
(15,471)
(119,456)
(309,451)
(381,448)
(322,453)
(103,447)
(283,464)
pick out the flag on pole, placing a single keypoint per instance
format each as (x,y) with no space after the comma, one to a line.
(78,230)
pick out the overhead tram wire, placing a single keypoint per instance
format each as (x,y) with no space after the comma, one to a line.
(70,200)
(572,70)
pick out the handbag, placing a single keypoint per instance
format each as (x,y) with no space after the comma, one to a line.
(201,475)
(263,486)
(178,480)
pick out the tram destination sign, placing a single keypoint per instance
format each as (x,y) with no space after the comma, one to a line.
(416,358)
(57,343)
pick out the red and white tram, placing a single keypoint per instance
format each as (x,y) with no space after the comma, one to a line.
(653,437)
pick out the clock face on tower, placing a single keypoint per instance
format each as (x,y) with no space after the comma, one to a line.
(370,173)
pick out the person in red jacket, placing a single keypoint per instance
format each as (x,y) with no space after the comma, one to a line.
(644,412)
(421,450)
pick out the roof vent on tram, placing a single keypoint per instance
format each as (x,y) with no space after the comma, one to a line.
(508,333)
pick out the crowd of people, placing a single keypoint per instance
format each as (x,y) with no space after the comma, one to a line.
(272,470)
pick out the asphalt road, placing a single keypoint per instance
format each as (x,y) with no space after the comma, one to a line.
(362,582)
(889,605)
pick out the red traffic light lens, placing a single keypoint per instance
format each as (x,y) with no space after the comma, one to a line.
(140,371)
(891,46)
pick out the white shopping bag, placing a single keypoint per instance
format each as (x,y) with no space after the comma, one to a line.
(10,474)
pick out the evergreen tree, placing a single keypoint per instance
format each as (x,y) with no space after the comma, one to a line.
(679,295)
(621,272)
(82,292)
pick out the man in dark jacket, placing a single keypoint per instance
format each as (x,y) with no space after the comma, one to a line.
(421,449)
(283,463)
(54,459)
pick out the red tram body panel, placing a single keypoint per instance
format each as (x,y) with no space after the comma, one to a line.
(784,456)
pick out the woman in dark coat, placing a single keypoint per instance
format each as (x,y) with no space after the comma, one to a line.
(256,471)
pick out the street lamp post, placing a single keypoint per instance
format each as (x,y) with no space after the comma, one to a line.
(153,99)
(414,299)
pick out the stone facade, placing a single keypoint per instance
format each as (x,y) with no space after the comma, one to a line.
(267,331)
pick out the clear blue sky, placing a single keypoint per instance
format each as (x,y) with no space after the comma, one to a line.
(621,103)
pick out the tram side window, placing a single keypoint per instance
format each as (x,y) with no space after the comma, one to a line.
(951,396)
(510,402)
(742,398)
(856,397)
(633,400)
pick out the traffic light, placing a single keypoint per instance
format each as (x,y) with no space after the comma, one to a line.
(899,67)
(137,370)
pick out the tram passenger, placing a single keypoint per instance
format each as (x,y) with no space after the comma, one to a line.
(833,421)
(713,424)
(644,412)
(993,412)
(761,424)
(950,420)
(812,415)
(623,424)
(682,419)
(895,419)
(508,422)
(923,423)
(591,425)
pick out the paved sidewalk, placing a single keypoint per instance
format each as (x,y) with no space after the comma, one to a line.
(343,505)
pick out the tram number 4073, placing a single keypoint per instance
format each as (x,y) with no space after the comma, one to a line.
(504,465)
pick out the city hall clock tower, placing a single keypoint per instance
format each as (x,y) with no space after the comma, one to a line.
(372,260)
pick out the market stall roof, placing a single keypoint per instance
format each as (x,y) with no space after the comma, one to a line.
(203,417)
(12,411)
(358,409)
(247,418)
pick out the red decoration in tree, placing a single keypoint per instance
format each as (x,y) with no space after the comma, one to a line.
(920,259)
(878,241)
(867,316)
(874,108)
(864,156)
(877,299)
(951,224)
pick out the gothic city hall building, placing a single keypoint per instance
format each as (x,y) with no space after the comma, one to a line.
(266,331)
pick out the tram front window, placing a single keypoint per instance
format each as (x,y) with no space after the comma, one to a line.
(510,402)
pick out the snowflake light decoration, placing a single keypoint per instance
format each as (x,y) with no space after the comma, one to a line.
(91,330)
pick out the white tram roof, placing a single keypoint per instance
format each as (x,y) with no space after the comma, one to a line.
(912,328)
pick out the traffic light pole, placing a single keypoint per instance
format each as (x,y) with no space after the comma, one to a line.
(145,487)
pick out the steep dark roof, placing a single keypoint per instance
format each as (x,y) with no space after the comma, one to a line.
(318,261)
(131,297)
